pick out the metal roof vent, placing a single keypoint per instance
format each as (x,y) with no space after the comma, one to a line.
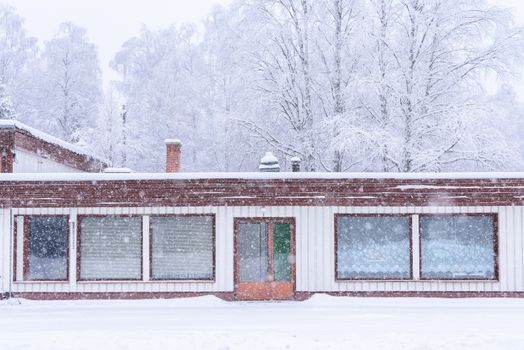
(295,164)
(269,163)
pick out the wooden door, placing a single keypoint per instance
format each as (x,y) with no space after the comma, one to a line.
(264,259)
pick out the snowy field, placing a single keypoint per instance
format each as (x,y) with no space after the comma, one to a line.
(322,322)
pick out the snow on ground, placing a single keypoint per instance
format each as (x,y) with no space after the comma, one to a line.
(322,322)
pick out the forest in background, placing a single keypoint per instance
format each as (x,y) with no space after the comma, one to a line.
(345,85)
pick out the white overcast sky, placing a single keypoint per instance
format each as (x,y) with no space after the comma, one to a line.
(111,22)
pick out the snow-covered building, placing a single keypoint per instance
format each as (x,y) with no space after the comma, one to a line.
(24,149)
(261,235)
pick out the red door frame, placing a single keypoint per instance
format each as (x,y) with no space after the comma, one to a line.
(268,290)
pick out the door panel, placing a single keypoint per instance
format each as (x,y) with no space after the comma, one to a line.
(253,252)
(264,259)
(282,252)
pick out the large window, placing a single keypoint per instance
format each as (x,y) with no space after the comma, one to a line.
(110,248)
(373,247)
(46,248)
(182,247)
(458,247)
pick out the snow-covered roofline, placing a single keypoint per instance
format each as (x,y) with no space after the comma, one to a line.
(254,176)
(14,124)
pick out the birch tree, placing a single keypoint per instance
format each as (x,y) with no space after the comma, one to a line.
(71,83)
(284,65)
(337,43)
(17,65)
(105,137)
(225,86)
(162,73)
(437,56)
(346,85)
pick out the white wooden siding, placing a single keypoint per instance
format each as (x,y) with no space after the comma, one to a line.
(315,255)
(510,265)
(5,227)
(29,162)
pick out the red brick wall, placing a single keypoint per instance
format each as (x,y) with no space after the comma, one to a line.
(7,137)
(309,192)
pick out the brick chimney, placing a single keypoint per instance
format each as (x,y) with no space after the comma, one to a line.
(173,155)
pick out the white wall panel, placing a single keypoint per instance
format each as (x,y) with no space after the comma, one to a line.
(511,255)
(315,255)
(29,162)
(5,234)
(519,247)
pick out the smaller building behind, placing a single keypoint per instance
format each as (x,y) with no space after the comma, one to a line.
(26,150)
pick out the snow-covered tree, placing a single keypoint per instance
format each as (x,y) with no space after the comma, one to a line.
(17,65)
(70,86)
(282,59)
(155,68)
(429,108)
(106,137)
(337,42)
(187,86)
(346,85)
(224,86)
(6,106)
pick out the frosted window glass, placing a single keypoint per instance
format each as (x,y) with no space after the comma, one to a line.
(182,247)
(253,252)
(110,248)
(457,247)
(375,247)
(47,239)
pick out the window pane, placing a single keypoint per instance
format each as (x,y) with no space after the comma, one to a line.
(282,251)
(111,248)
(182,247)
(457,246)
(47,258)
(373,247)
(253,252)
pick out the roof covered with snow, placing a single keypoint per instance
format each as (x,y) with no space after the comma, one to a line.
(255,176)
(14,124)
